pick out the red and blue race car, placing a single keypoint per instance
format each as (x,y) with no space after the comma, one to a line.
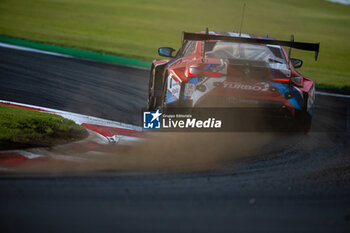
(223,69)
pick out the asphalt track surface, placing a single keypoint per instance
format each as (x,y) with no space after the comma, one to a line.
(303,186)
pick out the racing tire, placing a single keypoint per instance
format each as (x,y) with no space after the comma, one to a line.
(153,101)
(150,100)
(302,122)
(163,104)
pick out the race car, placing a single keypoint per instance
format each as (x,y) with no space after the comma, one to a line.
(222,69)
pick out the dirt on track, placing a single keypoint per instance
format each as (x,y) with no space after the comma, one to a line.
(182,152)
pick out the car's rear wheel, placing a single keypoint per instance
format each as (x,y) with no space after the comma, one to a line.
(155,89)
(151,97)
(163,103)
(302,121)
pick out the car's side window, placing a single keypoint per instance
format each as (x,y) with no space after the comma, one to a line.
(277,52)
(187,49)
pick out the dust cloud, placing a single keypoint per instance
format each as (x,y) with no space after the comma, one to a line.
(177,152)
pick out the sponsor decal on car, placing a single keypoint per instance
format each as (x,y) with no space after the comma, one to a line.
(261,86)
(190,89)
(173,90)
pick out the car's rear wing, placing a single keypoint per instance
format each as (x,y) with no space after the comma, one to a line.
(297,45)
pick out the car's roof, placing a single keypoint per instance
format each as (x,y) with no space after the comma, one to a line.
(237,34)
(245,35)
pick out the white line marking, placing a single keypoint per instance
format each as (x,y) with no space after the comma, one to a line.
(33,50)
(79,118)
(22,48)
(29,155)
(344,2)
(332,94)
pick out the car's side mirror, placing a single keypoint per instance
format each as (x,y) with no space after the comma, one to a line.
(296,63)
(166,51)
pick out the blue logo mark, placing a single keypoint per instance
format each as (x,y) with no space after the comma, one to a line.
(151,120)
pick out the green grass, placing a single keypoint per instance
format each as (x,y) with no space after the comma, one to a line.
(136,28)
(28,128)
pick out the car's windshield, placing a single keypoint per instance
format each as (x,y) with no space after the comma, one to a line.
(230,50)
